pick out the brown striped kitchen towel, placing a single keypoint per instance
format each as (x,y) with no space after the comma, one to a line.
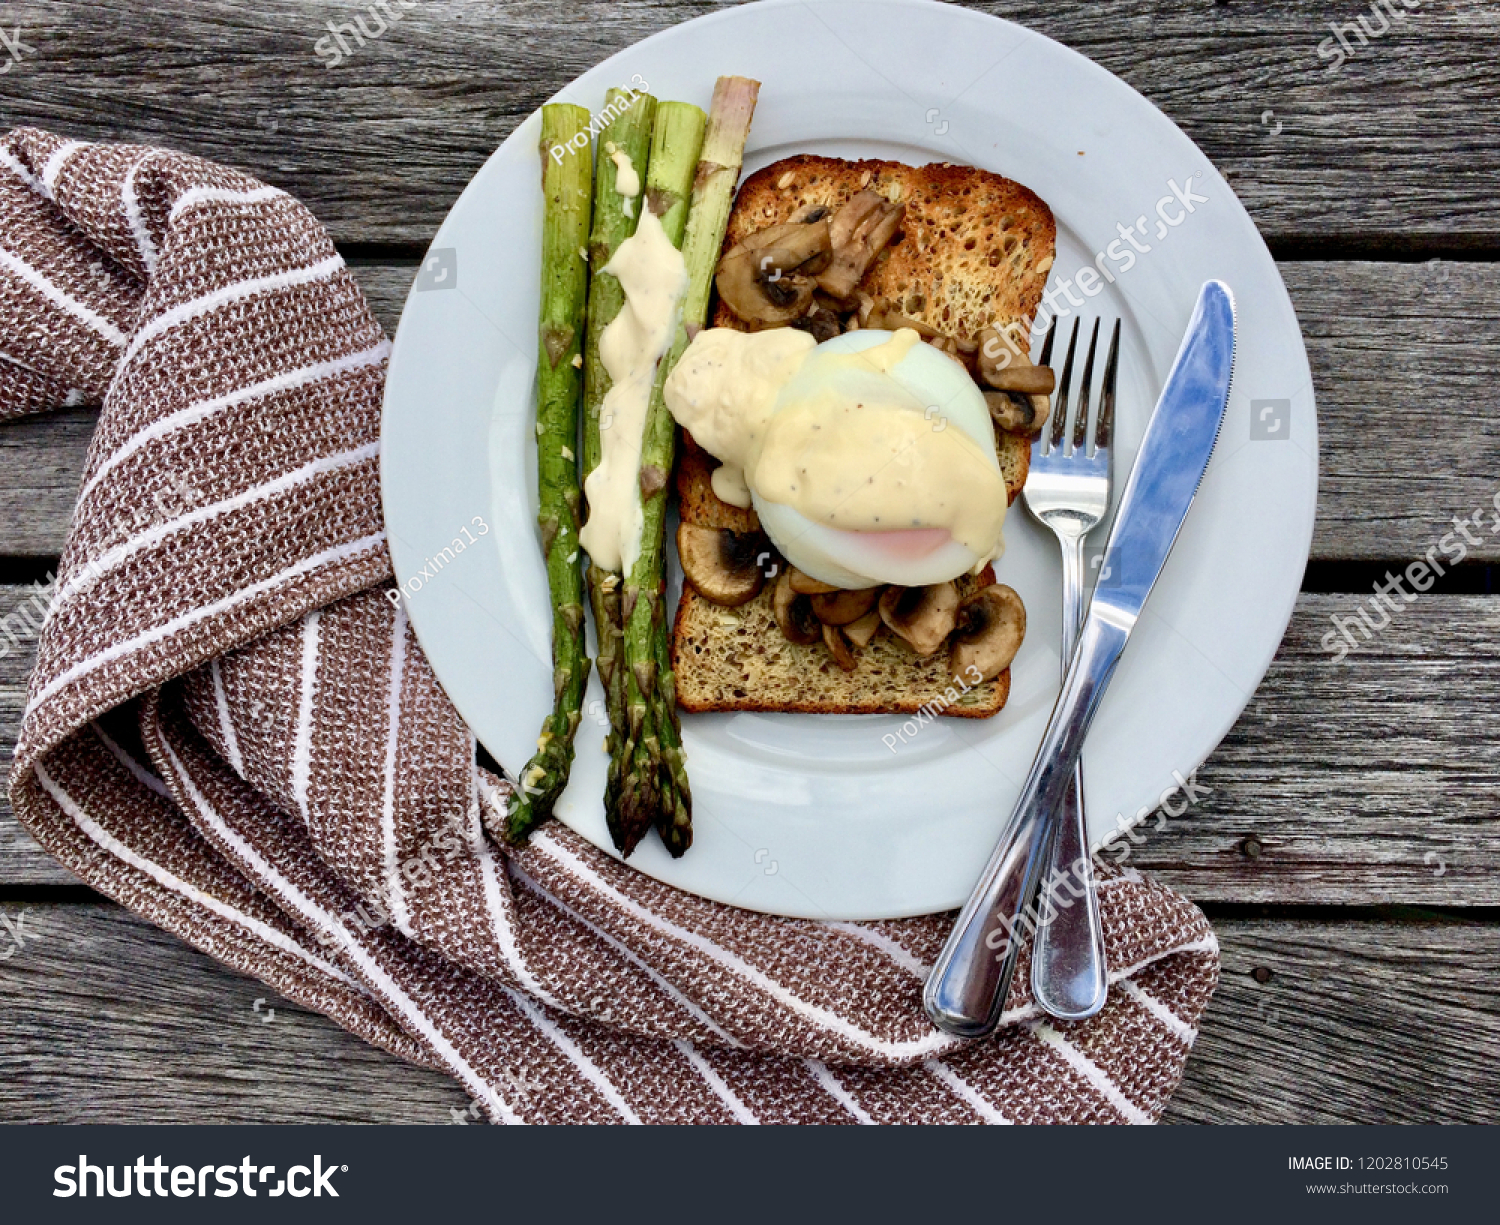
(233,732)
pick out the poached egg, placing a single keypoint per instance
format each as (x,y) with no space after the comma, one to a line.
(870,458)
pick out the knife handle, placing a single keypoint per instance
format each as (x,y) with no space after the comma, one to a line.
(966,990)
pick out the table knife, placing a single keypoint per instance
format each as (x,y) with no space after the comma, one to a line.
(966,990)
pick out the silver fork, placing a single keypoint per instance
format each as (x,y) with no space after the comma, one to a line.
(1068,490)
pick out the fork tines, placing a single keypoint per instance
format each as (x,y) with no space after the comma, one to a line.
(1057,429)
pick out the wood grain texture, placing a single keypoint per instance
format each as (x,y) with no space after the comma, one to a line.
(1368,781)
(1364,782)
(1382,338)
(1400,145)
(107,1019)
(41,467)
(1403,359)
(22,861)
(113,1020)
(1359,1022)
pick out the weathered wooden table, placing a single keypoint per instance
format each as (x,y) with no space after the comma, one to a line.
(1347,855)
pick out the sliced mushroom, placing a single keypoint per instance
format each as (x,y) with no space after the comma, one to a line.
(758,299)
(813,212)
(1025,380)
(882,317)
(806,246)
(833,638)
(821,322)
(859,230)
(724,567)
(1022,414)
(1000,357)
(842,607)
(794,613)
(805,584)
(991,625)
(862,632)
(922,617)
(945,344)
(767,279)
(1005,366)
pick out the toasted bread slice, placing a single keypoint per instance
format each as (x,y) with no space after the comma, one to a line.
(974,248)
(738,659)
(696,500)
(974,251)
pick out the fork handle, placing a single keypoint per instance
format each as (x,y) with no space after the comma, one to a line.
(966,990)
(1068,976)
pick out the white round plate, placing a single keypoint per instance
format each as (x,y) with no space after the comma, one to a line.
(820,816)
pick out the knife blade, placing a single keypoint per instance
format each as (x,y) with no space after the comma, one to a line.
(1174,454)
(966,989)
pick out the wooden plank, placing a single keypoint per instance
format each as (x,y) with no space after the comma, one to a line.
(115,1021)
(1367,781)
(1398,145)
(1383,339)
(1362,1022)
(1403,359)
(22,861)
(385,287)
(41,466)
(1354,783)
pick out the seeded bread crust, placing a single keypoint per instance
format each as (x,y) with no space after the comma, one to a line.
(974,251)
(974,247)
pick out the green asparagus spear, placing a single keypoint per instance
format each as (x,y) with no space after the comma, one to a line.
(674,818)
(646,787)
(566,178)
(647,663)
(615,218)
